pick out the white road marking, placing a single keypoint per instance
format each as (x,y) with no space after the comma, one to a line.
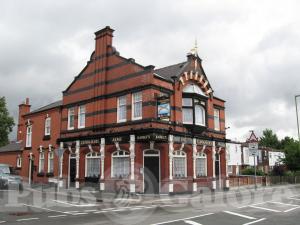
(26,219)
(298,199)
(240,215)
(191,222)
(289,210)
(245,206)
(256,221)
(90,210)
(97,212)
(51,210)
(2,221)
(57,216)
(263,208)
(183,219)
(81,213)
(281,203)
(75,204)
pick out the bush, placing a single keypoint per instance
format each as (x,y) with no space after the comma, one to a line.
(251,171)
(278,170)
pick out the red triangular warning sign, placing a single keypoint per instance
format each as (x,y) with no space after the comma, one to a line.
(252,137)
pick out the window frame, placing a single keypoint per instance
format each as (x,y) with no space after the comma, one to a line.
(201,155)
(180,154)
(19,161)
(49,161)
(69,118)
(118,109)
(28,143)
(81,113)
(90,155)
(194,98)
(217,128)
(48,126)
(117,154)
(135,102)
(41,168)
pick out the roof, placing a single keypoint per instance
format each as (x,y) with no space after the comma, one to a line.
(11,147)
(169,71)
(47,107)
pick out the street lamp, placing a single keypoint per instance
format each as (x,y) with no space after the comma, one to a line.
(296,96)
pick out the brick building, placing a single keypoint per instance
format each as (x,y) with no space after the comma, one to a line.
(124,125)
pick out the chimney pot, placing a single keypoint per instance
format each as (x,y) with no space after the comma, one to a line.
(27,101)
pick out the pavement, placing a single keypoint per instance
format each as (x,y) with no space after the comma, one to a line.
(269,205)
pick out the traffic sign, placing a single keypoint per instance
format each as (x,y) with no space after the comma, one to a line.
(253,148)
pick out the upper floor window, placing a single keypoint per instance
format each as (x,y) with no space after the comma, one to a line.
(137,101)
(193,111)
(81,116)
(71,118)
(122,110)
(47,126)
(28,136)
(19,161)
(193,88)
(217,119)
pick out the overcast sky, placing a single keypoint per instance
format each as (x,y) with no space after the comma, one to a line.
(250,50)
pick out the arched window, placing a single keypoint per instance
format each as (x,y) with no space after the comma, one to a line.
(92,164)
(193,88)
(199,115)
(201,167)
(179,164)
(120,164)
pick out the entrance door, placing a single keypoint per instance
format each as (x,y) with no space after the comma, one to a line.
(151,172)
(72,172)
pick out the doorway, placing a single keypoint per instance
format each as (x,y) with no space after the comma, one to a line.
(72,171)
(151,172)
(217,170)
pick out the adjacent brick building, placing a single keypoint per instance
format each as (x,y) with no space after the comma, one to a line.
(124,125)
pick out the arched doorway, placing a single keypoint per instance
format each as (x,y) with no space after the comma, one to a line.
(151,171)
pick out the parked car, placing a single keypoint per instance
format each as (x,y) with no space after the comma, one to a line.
(8,179)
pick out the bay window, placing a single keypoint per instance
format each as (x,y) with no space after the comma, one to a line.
(193,111)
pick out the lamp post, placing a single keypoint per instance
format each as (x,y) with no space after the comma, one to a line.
(296,96)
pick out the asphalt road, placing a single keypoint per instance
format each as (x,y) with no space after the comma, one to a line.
(280,205)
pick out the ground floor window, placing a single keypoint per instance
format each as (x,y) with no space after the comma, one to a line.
(120,164)
(179,164)
(201,164)
(41,162)
(229,169)
(50,162)
(92,164)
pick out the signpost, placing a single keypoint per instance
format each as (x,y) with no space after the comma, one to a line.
(253,151)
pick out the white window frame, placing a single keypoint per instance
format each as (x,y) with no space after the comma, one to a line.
(137,98)
(119,154)
(203,115)
(118,109)
(48,126)
(217,117)
(71,112)
(180,154)
(201,155)
(92,155)
(19,161)
(29,136)
(41,168)
(50,158)
(81,113)
(230,171)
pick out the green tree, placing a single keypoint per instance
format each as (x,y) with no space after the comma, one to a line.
(285,142)
(6,123)
(269,139)
(292,156)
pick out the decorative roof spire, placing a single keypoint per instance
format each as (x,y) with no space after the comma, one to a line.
(194,51)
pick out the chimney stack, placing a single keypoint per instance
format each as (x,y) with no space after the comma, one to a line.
(103,41)
(24,108)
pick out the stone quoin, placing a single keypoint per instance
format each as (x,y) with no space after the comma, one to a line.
(122,125)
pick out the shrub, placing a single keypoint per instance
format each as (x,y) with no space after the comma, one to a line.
(251,171)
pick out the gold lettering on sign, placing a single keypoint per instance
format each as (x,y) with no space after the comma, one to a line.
(116,139)
(204,142)
(89,142)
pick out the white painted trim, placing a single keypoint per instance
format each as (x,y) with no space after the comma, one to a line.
(69,115)
(118,109)
(46,120)
(180,156)
(79,117)
(98,156)
(112,161)
(132,106)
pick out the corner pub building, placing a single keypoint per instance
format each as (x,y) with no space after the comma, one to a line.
(121,125)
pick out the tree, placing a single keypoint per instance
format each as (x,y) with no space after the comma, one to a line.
(6,123)
(269,139)
(292,156)
(285,142)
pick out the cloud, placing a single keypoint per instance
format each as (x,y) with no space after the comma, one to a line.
(250,51)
